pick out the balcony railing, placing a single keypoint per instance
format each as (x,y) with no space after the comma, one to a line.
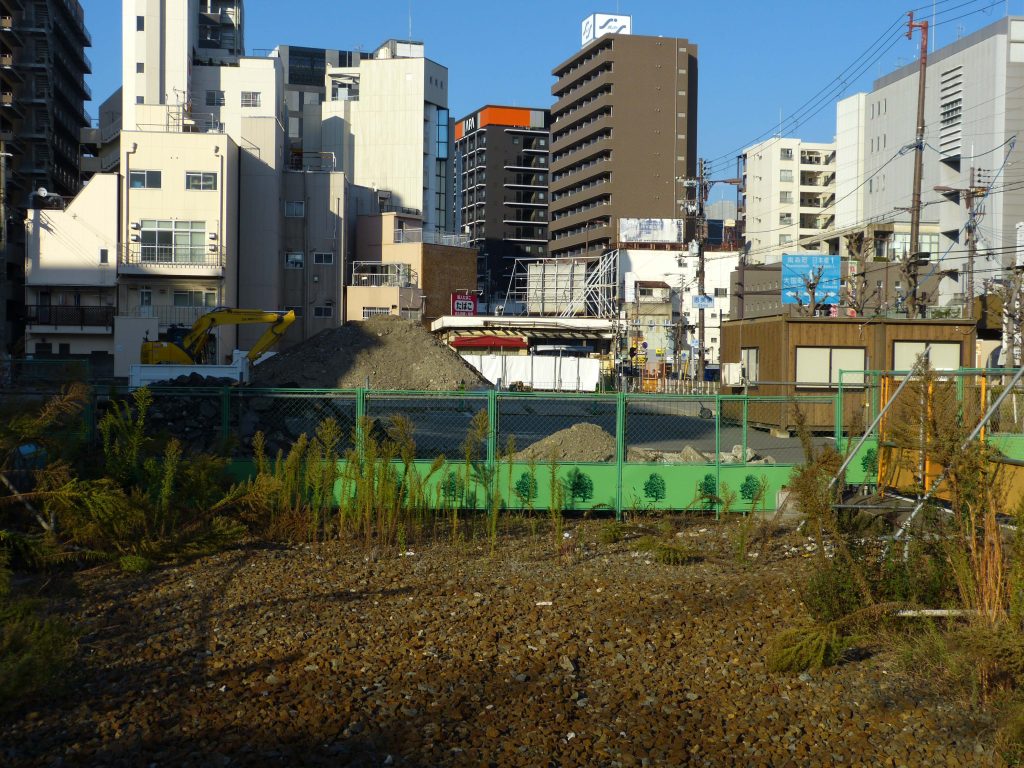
(47,314)
(168,315)
(182,258)
(430,237)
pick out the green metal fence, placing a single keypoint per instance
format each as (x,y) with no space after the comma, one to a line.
(617,452)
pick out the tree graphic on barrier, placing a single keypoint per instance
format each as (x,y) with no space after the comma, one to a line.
(707,490)
(526,489)
(752,490)
(578,486)
(654,488)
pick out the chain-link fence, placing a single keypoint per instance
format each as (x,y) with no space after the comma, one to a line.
(915,421)
(617,451)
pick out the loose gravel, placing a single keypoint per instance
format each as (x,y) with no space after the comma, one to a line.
(324,656)
(380,353)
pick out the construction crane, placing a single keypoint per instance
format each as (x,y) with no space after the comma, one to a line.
(193,347)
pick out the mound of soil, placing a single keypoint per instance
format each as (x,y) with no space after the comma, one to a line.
(580,442)
(379,353)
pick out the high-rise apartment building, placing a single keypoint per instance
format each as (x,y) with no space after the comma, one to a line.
(42,95)
(789,193)
(623,137)
(501,187)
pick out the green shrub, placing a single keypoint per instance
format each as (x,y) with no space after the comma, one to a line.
(831,591)
(34,652)
(135,564)
(612,533)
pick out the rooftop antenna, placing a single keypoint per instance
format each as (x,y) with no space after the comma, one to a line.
(410,19)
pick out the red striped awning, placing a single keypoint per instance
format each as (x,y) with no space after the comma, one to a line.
(490,342)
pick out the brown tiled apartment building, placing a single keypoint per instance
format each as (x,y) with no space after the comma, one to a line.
(623,138)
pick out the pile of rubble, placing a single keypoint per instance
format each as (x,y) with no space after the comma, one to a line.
(380,353)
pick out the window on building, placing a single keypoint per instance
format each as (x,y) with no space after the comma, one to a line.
(786,197)
(177,242)
(140,23)
(294,260)
(294,209)
(104,256)
(250,98)
(369,312)
(785,218)
(296,309)
(140,67)
(749,361)
(200,180)
(144,179)
(323,258)
(784,239)
(820,366)
(323,311)
(785,154)
(140,99)
(195,298)
(44,348)
(945,356)
(786,174)
(215,98)
(721,293)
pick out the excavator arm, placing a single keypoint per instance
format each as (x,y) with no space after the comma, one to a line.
(191,348)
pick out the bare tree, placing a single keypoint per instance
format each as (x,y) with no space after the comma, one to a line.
(858,295)
(810,280)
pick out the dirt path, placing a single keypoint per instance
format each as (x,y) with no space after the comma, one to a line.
(294,656)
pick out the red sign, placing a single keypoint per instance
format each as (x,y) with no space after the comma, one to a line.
(464,304)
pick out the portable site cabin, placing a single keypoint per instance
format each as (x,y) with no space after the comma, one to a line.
(796,356)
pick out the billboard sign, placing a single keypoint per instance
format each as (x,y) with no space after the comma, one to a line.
(598,24)
(803,271)
(652,231)
(464,304)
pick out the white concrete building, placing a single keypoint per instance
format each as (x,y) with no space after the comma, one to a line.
(386,121)
(789,193)
(678,270)
(972,110)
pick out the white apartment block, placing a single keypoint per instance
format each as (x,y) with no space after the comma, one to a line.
(789,193)
(208,208)
(972,110)
(386,122)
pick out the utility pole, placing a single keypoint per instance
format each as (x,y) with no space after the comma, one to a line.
(972,245)
(702,233)
(915,201)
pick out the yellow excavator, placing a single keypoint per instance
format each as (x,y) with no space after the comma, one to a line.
(192,346)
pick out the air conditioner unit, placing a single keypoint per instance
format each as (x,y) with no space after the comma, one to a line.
(732,374)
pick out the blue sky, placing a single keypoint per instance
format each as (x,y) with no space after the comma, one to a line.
(758,59)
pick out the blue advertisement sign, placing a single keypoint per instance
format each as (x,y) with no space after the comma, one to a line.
(703,302)
(801,271)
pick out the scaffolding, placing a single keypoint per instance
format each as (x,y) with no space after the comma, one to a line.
(565,287)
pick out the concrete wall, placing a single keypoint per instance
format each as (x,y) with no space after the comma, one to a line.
(315,288)
(850,146)
(63,247)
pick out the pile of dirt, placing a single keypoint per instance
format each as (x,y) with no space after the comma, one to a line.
(380,353)
(580,442)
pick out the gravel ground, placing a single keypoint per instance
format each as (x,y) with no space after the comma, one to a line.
(446,656)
